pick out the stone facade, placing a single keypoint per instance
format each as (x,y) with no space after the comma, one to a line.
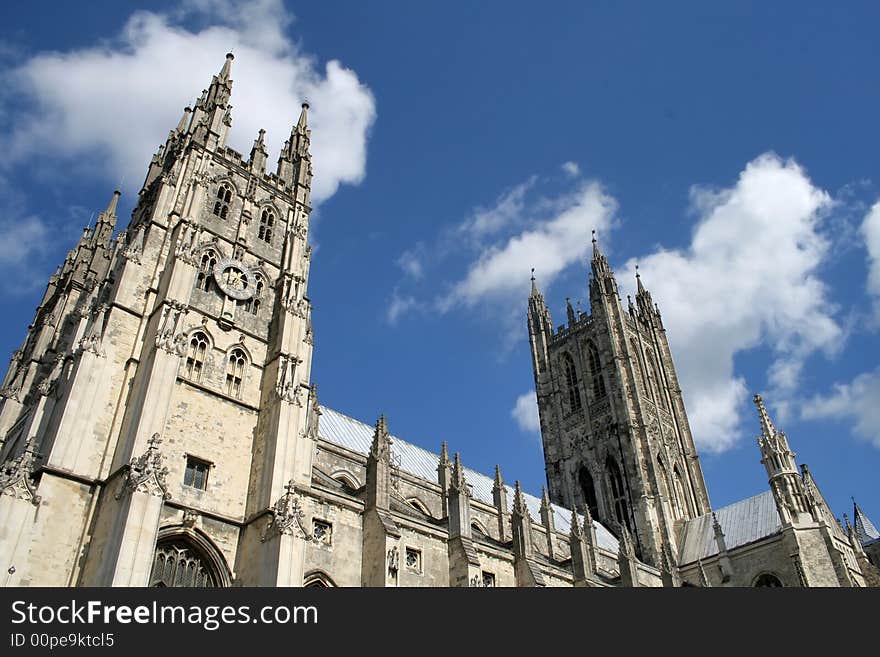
(160,427)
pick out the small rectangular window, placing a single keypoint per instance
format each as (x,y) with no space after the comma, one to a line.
(322,531)
(196,475)
(414,559)
(488,579)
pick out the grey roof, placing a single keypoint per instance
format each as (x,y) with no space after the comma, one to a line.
(742,522)
(865,529)
(347,432)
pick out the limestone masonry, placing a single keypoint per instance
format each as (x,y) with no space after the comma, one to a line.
(159,426)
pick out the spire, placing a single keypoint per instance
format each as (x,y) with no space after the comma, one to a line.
(644,303)
(600,262)
(865,529)
(381,447)
(767,429)
(221,88)
(577,529)
(519,502)
(303,121)
(111,206)
(259,153)
(499,482)
(458,481)
(184,120)
(535,292)
(106,222)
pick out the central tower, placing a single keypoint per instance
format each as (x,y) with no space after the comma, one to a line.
(614,429)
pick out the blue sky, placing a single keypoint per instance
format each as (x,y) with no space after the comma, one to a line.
(730,150)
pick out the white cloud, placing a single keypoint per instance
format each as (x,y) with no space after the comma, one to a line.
(747,279)
(571,169)
(411,262)
(525,412)
(507,211)
(871,233)
(501,271)
(857,401)
(110,105)
(399,306)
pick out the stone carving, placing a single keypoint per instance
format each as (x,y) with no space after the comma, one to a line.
(393,561)
(147,472)
(16,475)
(286,386)
(287,517)
(168,335)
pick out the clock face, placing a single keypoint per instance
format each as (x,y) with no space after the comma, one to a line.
(236,280)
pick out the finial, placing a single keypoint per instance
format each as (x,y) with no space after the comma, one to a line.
(533,274)
(594,235)
(767,428)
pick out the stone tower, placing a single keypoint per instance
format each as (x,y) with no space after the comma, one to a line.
(165,379)
(615,433)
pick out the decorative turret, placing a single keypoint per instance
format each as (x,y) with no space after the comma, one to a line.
(540,328)
(379,468)
(784,477)
(499,498)
(444,475)
(548,521)
(259,154)
(459,502)
(294,163)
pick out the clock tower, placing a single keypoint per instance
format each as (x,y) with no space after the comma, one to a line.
(170,385)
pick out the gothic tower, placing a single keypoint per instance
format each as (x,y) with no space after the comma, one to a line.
(615,433)
(166,378)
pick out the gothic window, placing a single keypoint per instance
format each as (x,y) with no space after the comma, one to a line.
(196,473)
(234,372)
(318,580)
(414,559)
(322,531)
(767,579)
(663,476)
(252,305)
(618,494)
(681,498)
(195,357)
(178,563)
(655,384)
(267,225)
(589,491)
(635,354)
(224,198)
(596,371)
(206,269)
(571,381)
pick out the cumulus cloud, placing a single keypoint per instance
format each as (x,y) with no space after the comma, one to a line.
(572,169)
(855,401)
(871,233)
(748,278)
(550,245)
(108,106)
(525,413)
(507,211)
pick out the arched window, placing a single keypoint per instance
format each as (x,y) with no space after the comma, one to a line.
(589,491)
(195,357)
(267,224)
(253,304)
(767,579)
(681,497)
(206,270)
(655,385)
(178,563)
(318,580)
(596,371)
(667,487)
(224,198)
(639,366)
(234,372)
(571,380)
(618,494)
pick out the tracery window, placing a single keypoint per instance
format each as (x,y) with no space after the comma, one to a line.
(195,357)
(596,371)
(223,200)
(252,304)
(178,564)
(322,531)
(618,494)
(414,559)
(267,224)
(234,372)
(681,497)
(589,491)
(488,579)
(768,579)
(571,381)
(206,270)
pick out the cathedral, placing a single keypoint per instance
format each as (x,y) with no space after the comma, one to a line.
(159,425)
